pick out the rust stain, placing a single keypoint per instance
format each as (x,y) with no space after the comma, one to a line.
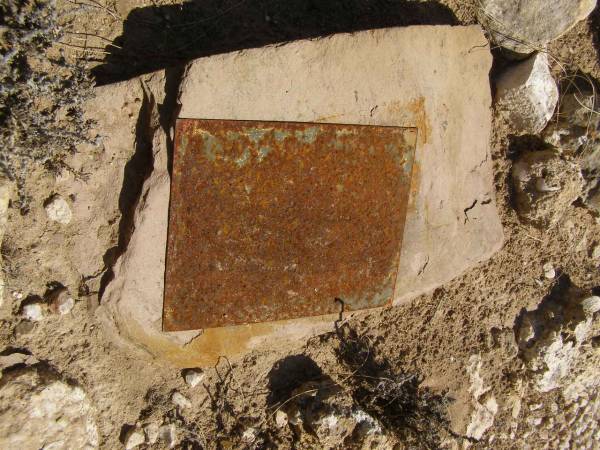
(412,114)
(274,220)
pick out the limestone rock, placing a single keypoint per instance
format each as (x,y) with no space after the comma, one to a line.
(484,406)
(193,377)
(431,77)
(180,400)
(526,26)
(134,438)
(590,305)
(482,418)
(61,302)
(151,432)
(551,339)
(545,186)
(321,408)
(526,95)
(38,410)
(58,210)
(549,272)
(576,132)
(168,435)
(34,310)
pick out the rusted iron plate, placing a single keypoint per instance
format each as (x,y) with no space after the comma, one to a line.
(275,220)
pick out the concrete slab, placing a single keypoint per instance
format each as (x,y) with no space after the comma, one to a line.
(434,78)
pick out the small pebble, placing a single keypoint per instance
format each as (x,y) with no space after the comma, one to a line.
(58,210)
(193,377)
(596,252)
(24,327)
(133,438)
(180,400)
(281,418)
(590,305)
(151,432)
(62,303)
(249,436)
(549,271)
(168,435)
(33,312)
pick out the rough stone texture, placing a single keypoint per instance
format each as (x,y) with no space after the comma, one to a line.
(553,337)
(545,186)
(524,26)
(576,132)
(376,77)
(484,406)
(44,413)
(58,210)
(326,411)
(526,95)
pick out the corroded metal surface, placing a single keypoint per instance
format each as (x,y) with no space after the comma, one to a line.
(275,220)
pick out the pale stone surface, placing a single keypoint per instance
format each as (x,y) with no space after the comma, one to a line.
(58,210)
(434,78)
(180,400)
(526,95)
(193,377)
(134,438)
(33,311)
(526,26)
(40,411)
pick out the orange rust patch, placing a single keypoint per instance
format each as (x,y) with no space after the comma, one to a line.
(275,220)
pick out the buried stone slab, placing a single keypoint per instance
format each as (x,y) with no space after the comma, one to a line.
(434,78)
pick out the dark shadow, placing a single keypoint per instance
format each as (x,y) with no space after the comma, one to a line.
(289,374)
(415,414)
(157,37)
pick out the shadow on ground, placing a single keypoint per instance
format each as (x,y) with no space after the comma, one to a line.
(157,37)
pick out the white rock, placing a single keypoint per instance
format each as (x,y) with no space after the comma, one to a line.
(180,400)
(168,435)
(33,311)
(193,377)
(62,303)
(38,410)
(134,438)
(525,26)
(281,418)
(549,271)
(249,436)
(590,305)
(482,418)
(596,252)
(58,210)
(151,432)
(526,95)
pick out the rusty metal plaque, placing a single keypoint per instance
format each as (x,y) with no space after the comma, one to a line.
(275,220)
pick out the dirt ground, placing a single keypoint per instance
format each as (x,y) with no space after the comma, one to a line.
(446,343)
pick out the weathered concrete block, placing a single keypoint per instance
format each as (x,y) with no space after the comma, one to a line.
(431,77)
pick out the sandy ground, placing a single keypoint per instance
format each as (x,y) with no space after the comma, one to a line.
(441,337)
